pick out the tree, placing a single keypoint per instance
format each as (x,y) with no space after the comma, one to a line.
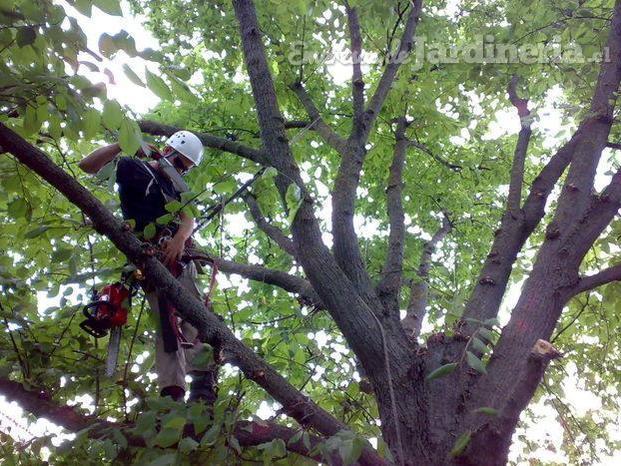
(411,305)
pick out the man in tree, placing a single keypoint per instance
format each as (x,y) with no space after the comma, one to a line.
(144,190)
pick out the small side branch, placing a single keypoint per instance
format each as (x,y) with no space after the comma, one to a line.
(514,200)
(419,288)
(590,282)
(451,166)
(390,72)
(209,140)
(285,243)
(283,280)
(318,124)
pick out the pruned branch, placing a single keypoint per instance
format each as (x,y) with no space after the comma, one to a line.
(514,200)
(390,284)
(356,55)
(317,122)
(419,288)
(209,140)
(210,328)
(247,433)
(276,234)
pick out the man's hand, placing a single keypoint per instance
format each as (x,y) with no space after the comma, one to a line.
(173,249)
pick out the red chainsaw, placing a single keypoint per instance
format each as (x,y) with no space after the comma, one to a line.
(108,313)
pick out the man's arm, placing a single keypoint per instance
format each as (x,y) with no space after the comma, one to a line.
(173,249)
(94,161)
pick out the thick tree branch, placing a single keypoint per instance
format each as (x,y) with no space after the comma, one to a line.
(513,232)
(576,194)
(568,238)
(390,284)
(514,200)
(385,353)
(247,433)
(209,140)
(497,430)
(419,289)
(346,248)
(276,234)
(211,329)
(356,55)
(590,282)
(318,123)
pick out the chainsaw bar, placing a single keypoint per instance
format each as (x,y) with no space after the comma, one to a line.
(114,345)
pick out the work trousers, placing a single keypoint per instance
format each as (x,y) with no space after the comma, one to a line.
(172,368)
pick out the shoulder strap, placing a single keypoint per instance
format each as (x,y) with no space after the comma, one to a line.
(155,181)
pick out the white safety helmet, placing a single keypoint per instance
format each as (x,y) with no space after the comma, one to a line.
(187,144)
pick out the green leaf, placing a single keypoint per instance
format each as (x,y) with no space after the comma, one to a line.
(164,219)
(17,208)
(295,438)
(204,357)
(461,443)
(32,122)
(479,345)
(112,7)
(181,90)
(173,206)
(225,187)
(441,371)
(475,363)
(119,438)
(61,255)
(107,45)
(130,136)
(485,333)
(187,445)
(487,411)
(35,232)
(210,437)
(270,172)
(158,86)
(25,36)
(176,422)
(133,77)
(91,122)
(149,231)
(112,115)
(164,460)
(234,444)
(306,440)
(293,198)
(167,437)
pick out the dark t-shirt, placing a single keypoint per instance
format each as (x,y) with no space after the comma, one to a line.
(142,190)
